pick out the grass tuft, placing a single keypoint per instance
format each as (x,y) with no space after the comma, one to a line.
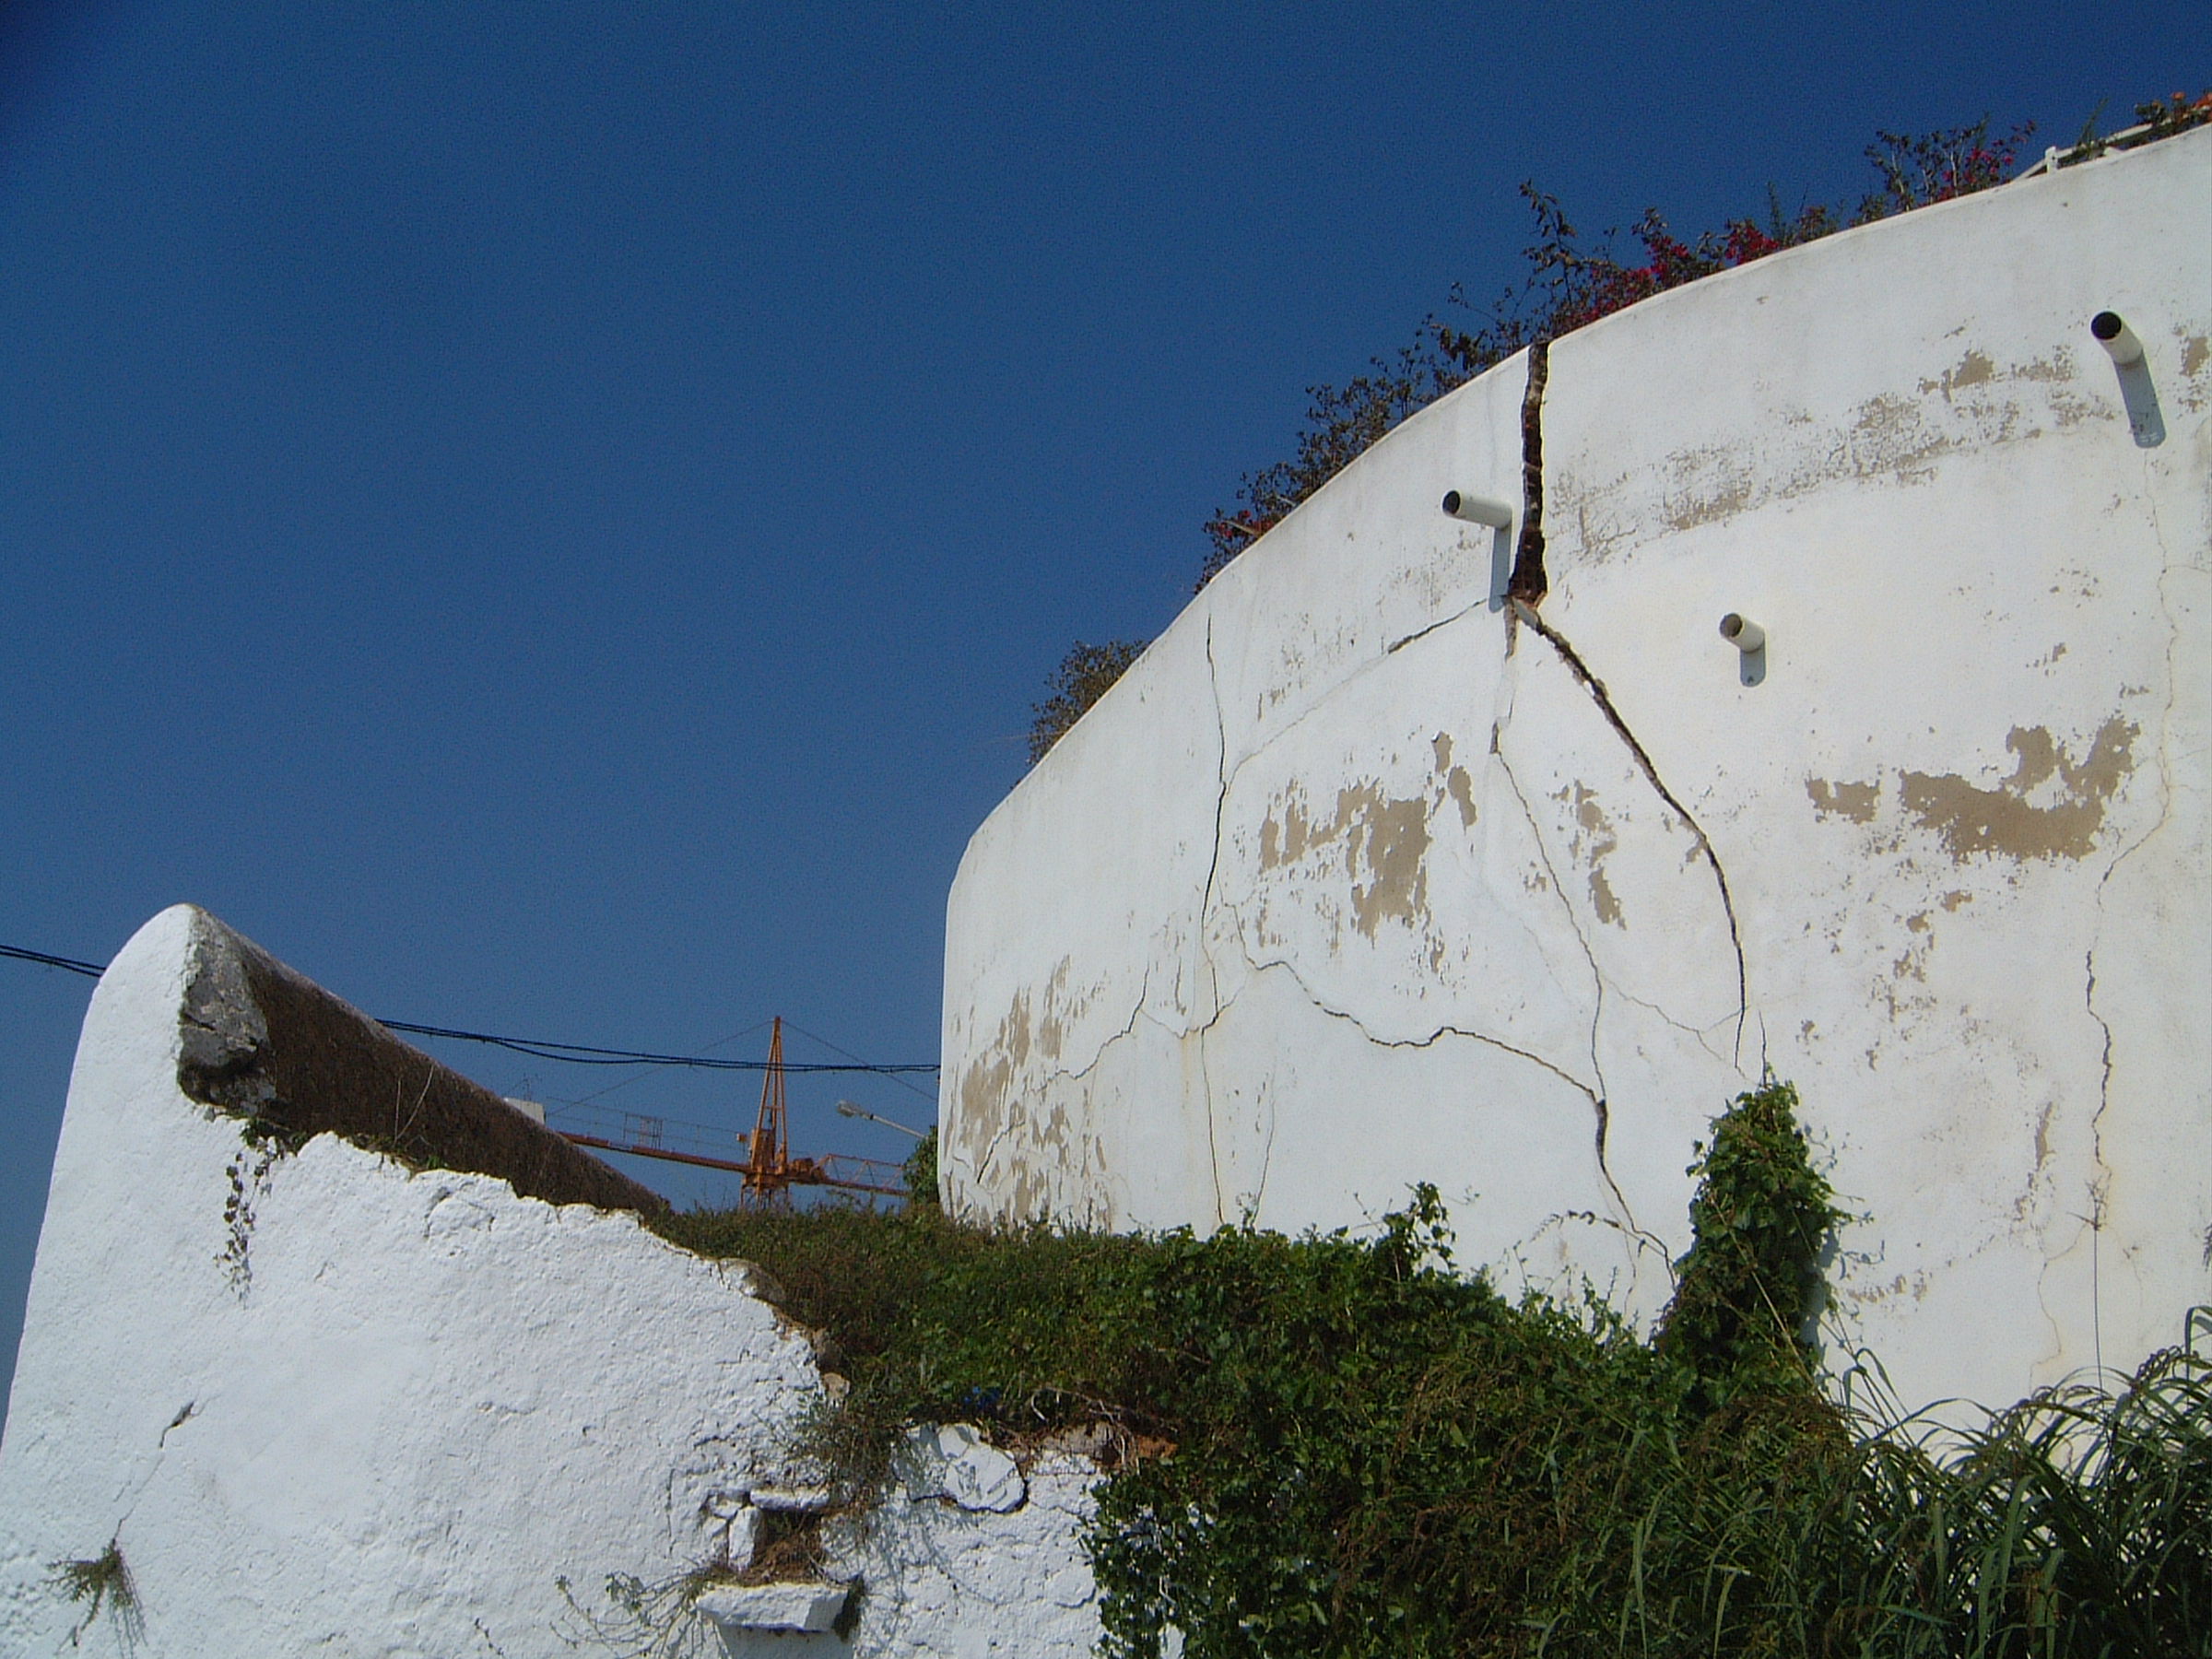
(101,1583)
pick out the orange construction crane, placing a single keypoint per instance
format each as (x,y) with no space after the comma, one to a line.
(769,1169)
(768,1154)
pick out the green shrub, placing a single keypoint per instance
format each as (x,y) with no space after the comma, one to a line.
(1085,673)
(1341,1446)
(921,1170)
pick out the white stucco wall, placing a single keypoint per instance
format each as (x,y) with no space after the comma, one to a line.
(418,1401)
(1352,882)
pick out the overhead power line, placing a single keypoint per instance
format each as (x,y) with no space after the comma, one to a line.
(92,970)
(539,1048)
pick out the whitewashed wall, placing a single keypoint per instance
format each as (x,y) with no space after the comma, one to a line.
(387,1415)
(1352,881)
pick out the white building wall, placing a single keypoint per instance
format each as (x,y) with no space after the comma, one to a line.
(387,1415)
(1353,881)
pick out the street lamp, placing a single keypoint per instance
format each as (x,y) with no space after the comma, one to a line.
(847,1109)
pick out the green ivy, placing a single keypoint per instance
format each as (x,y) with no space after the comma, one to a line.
(1749,1290)
(1345,1446)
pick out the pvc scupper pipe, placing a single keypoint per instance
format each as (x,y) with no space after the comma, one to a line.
(1478,510)
(1743,633)
(2117,338)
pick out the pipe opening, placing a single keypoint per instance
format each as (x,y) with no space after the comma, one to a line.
(1477,510)
(2110,331)
(1743,633)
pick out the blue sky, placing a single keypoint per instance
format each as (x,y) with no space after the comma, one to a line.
(551,517)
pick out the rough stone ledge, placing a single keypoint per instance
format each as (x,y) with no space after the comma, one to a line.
(804,1607)
(261,1042)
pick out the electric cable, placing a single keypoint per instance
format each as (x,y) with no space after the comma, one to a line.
(569,1053)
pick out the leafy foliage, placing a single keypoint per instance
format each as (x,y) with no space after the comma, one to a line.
(921,1170)
(1748,1291)
(2176,113)
(1342,1446)
(639,1619)
(1085,673)
(1570,285)
(1342,422)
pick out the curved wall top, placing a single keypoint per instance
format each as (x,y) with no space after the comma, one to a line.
(1360,878)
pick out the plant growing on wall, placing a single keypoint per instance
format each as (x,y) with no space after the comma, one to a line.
(101,1583)
(1749,1290)
(1332,1446)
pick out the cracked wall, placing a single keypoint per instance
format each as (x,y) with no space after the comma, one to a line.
(1384,865)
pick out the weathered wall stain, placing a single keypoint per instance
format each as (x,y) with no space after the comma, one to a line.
(1942,942)
(1974,368)
(1974,404)
(1385,849)
(2006,820)
(1012,1127)
(986,1085)
(1853,801)
(1593,837)
(1458,785)
(2051,807)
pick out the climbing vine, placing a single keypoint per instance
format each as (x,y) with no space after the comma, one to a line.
(1345,1446)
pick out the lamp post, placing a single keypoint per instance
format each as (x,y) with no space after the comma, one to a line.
(847,1109)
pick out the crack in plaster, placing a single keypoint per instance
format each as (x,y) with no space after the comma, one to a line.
(1342,687)
(1698,1034)
(1528,583)
(1436,1036)
(1419,633)
(1206,905)
(1630,1227)
(1597,1009)
(2100,1184)
(1597,688)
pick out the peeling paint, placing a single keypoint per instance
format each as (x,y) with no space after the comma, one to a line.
(1385,849)
(1935,494)
(2008,820)
(1853,801)
(1593,837)
(1461,788)
(1458,785)
(1974,368)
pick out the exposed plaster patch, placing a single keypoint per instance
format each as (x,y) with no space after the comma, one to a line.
(1462,791)
(1009,1128)
(1458,786)
(1974,368)
(1853,801)
(2009,820)
(2196,350)
(1593,839)
(1383,842)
